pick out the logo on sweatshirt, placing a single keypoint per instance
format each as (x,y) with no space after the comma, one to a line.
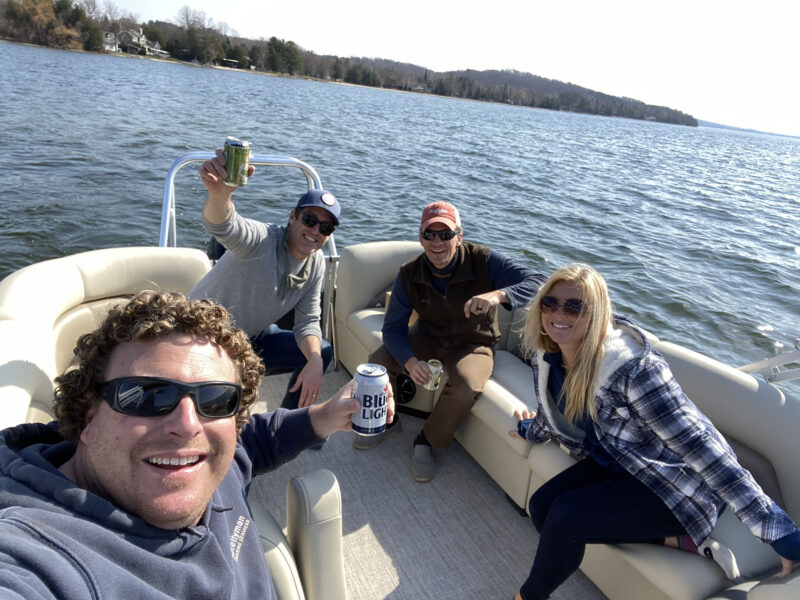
(237,539)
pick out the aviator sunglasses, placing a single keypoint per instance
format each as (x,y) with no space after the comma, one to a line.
(156,396)
(573,307)
(445,234)
(309,220)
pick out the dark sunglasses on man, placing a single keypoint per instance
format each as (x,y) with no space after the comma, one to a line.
(310,220)
(157,396)
(445,235)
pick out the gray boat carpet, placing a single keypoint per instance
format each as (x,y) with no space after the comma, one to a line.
(455,538)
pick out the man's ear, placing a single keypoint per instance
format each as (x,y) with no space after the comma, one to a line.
(89,417)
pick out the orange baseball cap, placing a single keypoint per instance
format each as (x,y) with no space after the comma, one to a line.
(441,212)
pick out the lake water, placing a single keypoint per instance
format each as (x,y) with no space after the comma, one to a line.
(697,230)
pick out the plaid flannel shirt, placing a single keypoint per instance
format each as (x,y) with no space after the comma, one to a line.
(658,435)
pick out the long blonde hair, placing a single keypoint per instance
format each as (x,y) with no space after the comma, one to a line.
(581,375)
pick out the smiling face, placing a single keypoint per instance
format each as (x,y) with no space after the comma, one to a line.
(303,240)
(565,330)
(163,469)
(438,251)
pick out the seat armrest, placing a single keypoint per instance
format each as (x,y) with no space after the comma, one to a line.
(277,554)
(314,530)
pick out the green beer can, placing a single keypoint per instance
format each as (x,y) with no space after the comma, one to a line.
(237,161)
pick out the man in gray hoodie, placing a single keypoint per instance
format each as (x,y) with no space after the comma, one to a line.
(140,486)
(268,271)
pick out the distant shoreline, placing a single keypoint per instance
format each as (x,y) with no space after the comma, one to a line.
(712,125)
(171,60)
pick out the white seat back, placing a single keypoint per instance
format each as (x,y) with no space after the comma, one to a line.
(761,425)
(45,307)
(365,272)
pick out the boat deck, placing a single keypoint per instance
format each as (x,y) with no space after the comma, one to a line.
(456,537)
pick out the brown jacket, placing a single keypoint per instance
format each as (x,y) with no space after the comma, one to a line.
(442,315)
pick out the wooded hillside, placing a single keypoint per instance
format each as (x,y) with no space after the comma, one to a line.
(194,37)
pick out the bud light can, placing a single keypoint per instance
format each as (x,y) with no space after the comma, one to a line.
(371,388)
(237,161)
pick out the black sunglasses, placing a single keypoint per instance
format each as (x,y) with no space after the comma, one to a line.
(156,396)
(445,235)
(309,220)
(573,307)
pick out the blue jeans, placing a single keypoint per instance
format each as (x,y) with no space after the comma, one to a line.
(280,353)
(588,503)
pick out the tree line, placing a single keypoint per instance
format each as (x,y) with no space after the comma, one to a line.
(60,24)
(195,37)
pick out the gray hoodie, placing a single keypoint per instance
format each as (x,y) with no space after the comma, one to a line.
(60,541)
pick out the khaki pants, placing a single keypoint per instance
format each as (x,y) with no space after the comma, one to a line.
(468,368)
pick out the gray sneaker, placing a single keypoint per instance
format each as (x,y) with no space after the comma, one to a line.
(368,442)
(423,467)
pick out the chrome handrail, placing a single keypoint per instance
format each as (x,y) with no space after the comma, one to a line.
(770,368)
(168,236)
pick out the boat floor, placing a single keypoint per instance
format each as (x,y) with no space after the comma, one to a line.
(456,537)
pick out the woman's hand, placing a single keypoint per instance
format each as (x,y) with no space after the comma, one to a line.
(521,415)
(787,566)
(788,548)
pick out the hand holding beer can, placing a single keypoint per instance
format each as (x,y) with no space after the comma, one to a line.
(435,367)
(371,389)
(237,161)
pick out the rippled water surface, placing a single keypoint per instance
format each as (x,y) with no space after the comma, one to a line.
(697,230)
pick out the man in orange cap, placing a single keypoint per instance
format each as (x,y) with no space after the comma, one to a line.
(455,287)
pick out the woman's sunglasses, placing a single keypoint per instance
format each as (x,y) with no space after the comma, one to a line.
(309,220)
(445,235)
(156,396)
(573,307)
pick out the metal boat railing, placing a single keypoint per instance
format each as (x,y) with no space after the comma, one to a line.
(168,235)
(772,369)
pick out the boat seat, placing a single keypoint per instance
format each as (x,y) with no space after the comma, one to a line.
(306,562)
(45,307)
(365,273)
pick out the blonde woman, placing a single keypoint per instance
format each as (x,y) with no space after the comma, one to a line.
(648,452)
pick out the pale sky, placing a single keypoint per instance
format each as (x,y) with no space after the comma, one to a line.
(728,61)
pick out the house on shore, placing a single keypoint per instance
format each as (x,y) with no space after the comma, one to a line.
(135,41)
(110,42)
(132,41)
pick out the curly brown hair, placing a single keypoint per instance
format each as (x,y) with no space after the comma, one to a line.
(147,316)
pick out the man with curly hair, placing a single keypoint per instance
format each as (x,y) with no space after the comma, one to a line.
(139,487)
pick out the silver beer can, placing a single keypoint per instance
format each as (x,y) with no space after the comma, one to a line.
(371,388)
(436,368)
